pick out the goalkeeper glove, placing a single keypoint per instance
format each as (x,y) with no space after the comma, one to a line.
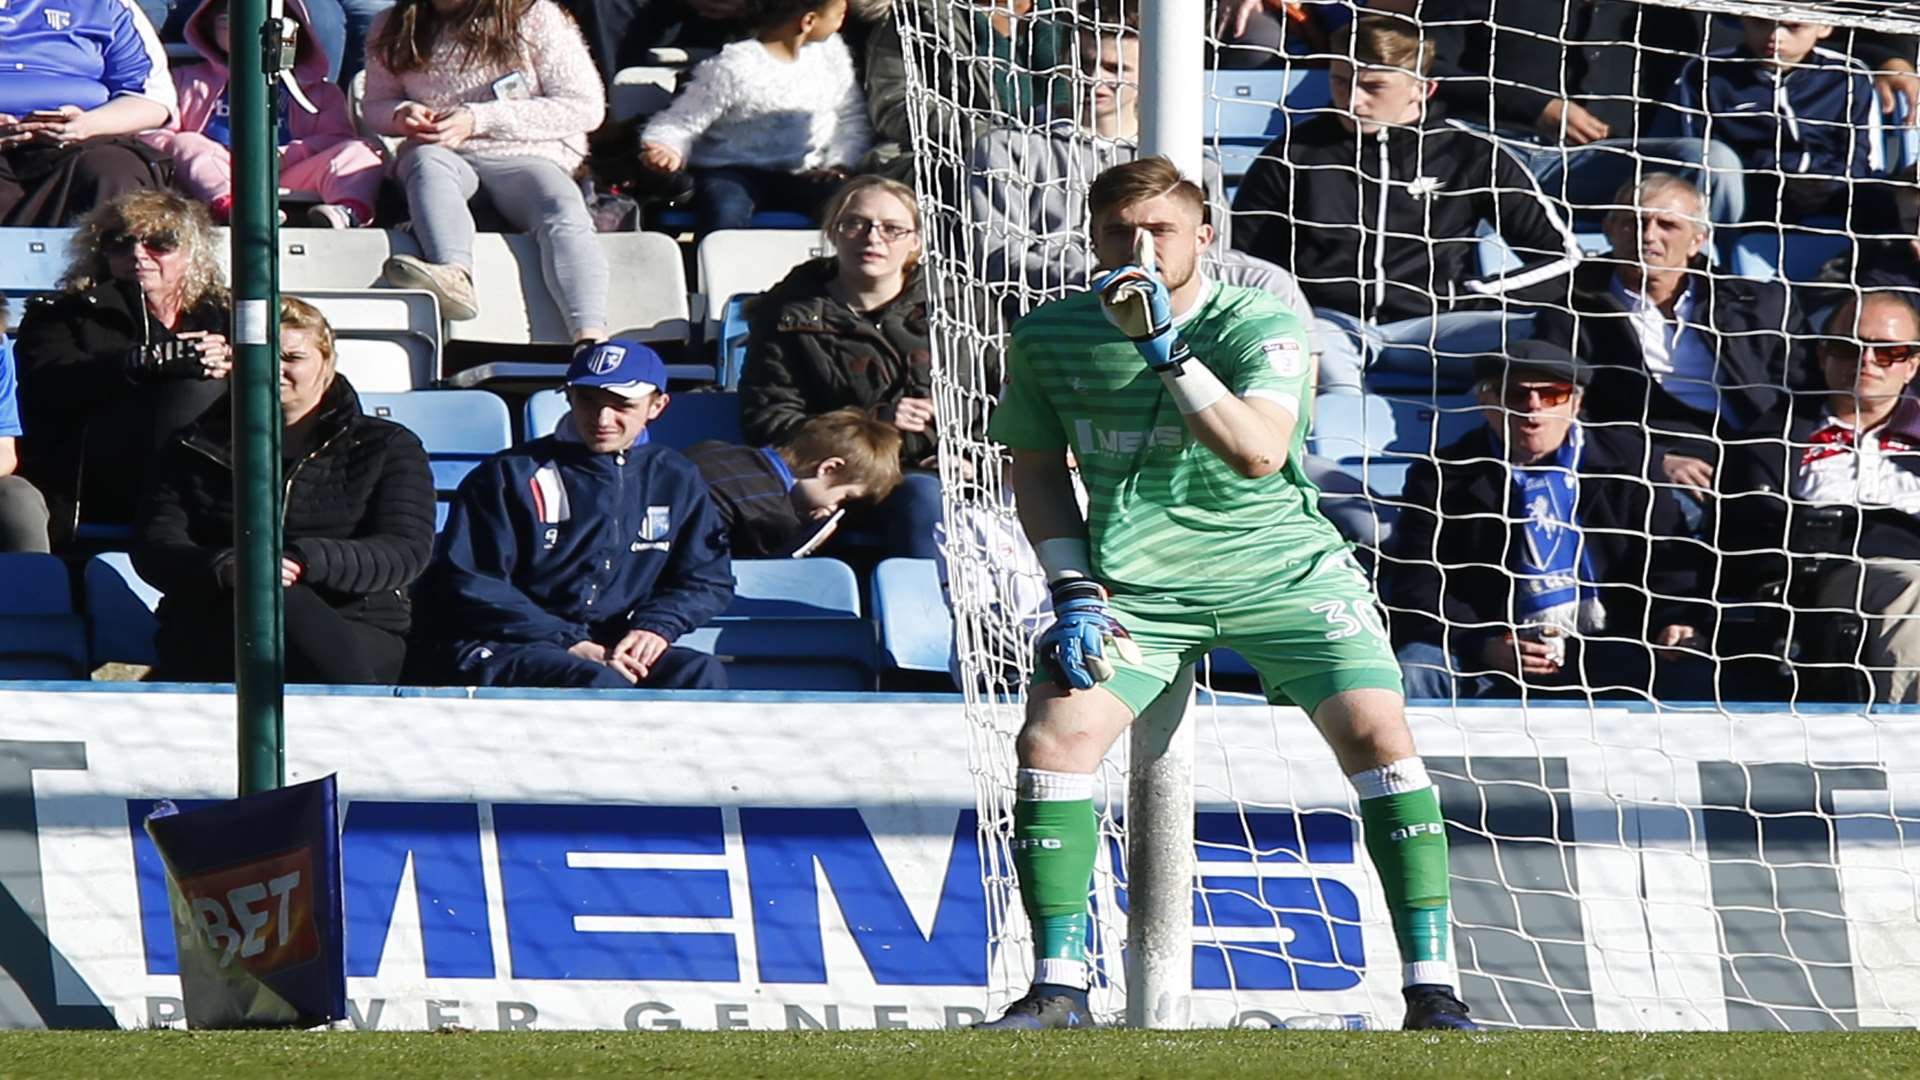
(1136,301)
(1074,649)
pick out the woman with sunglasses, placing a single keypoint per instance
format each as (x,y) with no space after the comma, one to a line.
(850,329)
(129,353)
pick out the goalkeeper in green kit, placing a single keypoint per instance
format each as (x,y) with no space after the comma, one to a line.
(1185,403)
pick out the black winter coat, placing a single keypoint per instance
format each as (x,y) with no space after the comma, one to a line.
(1757,336)
(1758,519)
(91,426)
(1303,207)
(358,515)
(1448,581)
(808,353)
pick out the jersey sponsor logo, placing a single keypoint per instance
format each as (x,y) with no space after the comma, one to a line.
(1285,356)
(58,19)
(1094,440)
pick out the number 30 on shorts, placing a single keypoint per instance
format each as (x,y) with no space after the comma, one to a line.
(1350,617)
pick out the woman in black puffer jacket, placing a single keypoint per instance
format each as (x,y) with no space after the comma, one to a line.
(851,330)
(358,528)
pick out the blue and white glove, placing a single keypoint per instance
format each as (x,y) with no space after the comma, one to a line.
(1074,649)
(1136,301)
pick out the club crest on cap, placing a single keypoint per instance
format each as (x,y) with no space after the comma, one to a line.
(606,358)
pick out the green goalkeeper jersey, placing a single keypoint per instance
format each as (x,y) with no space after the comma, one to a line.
(1165,516)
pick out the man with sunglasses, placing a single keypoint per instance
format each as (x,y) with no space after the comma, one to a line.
(1534,552)
(1838,477)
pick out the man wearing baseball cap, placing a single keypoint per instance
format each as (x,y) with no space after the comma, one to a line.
(577,559)
(1534,551)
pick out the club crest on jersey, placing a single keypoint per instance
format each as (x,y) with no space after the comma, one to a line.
(1285,356)
(58,19)
(658,524)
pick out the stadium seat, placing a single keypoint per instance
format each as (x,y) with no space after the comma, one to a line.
(387,340)
(648,302)
(691,418)
(41,636)
(1245,110)
(736,261)
(315,259)
(460,428)
(795,624)
(734,330)
(679,220)
(120,608)
(1791,253)
(33,261)
(916,628)
(641,91)
(1375,438)
(543,411)
(1495,257)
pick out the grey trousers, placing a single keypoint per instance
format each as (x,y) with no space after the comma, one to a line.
(23,516)
(532,193)
(1887,593)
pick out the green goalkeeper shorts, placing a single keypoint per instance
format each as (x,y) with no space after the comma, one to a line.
(1309,636)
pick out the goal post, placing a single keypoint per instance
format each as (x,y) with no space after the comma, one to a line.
(1610,871)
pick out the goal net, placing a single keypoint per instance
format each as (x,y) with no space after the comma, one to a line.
(1743,858)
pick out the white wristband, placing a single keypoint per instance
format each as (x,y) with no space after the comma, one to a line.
(1193,386)
(1064,557)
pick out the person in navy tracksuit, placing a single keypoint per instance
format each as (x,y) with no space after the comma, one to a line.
(576,560)
(1803,118)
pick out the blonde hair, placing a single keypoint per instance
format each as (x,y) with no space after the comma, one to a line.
(297,314)
(144,213)
(1140,180)
(869,446)
(1387,41)
(837,206)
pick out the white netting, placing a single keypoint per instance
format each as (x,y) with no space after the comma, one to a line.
(1009,134)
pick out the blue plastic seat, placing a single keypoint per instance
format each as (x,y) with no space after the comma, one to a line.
(733,340)
(795,624)
(916,627)
(41,636)
(120,607)
(692,418)
(1791,253)
(1246,110)
(1376,439)
(460,428)
(543,412)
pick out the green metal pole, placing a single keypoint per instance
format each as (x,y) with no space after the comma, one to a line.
(259,660)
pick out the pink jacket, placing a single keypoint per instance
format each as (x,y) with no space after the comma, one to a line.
(567,98)
(201,87)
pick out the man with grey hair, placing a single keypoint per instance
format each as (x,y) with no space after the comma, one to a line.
(1825,494)
(1695,358)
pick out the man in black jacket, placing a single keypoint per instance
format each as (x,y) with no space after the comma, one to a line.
(1827,498)
(1376,207)
(1534,551)
(1692,358)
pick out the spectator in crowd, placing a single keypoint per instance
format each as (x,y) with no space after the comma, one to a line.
(358,527)
(23,511)
(772,123)
(787,499)
(1802,119)
(1375,208)
(1028,185)
(1570,84)
(576,560)
(318,150)
(1691,357)
(851,330)
(493,96)
(620,33)
(1265,33)
(82,77)
(132,350)
(340,27)
(1825,495)
(1533,551)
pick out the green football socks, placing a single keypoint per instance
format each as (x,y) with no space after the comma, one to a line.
(1055,839)
(1407,841)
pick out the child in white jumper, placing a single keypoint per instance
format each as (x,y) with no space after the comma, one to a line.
(776,122)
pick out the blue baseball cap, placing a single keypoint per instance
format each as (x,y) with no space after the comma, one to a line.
(627,368)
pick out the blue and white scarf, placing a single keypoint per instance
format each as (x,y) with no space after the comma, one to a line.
(1553,568)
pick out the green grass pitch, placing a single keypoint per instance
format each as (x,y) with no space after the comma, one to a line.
(1093,1055)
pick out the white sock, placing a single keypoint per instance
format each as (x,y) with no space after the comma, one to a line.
(1039,785)
(1393,778)
(1061,973)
